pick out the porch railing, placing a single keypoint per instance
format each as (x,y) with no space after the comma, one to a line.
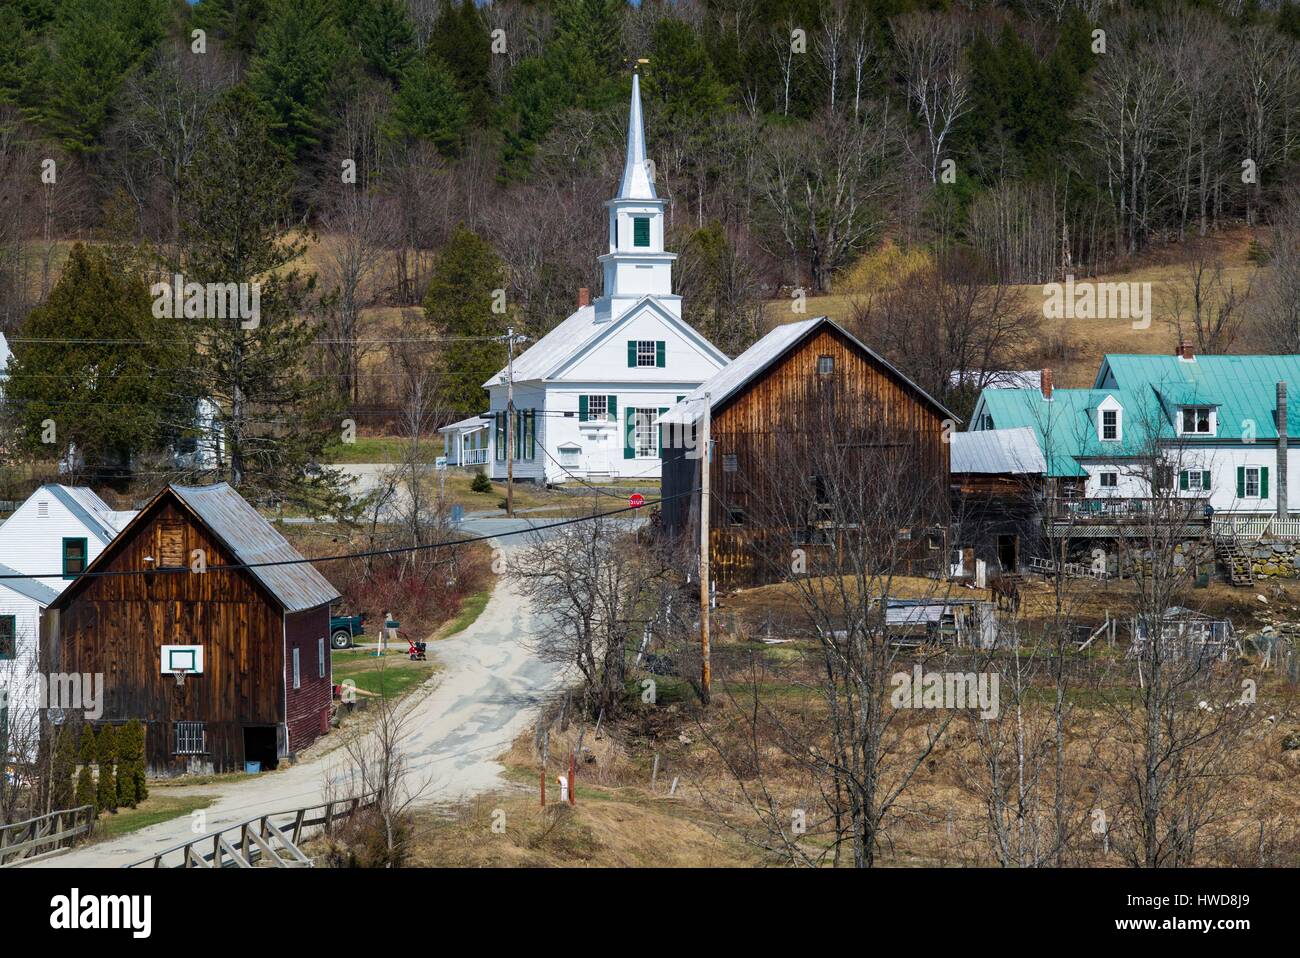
(1248,528)
(473,457)
(1112,509)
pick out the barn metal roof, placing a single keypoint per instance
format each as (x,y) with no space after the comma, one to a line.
(254,541)
(731,378)
(1002,451)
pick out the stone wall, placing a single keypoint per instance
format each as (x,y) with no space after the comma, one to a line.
(1280,559)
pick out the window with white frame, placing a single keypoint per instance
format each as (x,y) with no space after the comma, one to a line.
(1196,420)
(297,669)
(1194,480)
(1110,424)
(646,436)
(645,352)
(597,407)
(191,738)
(320,657)
(1252,482)
(1108,480)
(569,455)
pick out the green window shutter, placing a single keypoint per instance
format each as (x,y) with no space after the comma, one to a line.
(611,408)
(641,231)
(1241,482)
(659,353)
(1183,481)
(680,398)
(1263,482)
(629,436)
(1205,481)
(631,354)
(582,409)
(532,434)
(662,410)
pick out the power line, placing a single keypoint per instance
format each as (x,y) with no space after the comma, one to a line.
(370,553)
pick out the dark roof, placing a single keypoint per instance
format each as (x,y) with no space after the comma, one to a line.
(291,581)
(253,541)
(731,379)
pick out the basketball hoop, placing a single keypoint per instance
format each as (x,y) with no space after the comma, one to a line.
(180,676)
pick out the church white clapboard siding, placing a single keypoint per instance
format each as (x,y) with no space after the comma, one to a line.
(587,394)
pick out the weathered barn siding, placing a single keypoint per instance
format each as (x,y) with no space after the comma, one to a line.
(778,424)
(117,625)
(307,708)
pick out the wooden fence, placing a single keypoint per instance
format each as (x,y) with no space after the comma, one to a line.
(42,837)
(1253,528)
(271,839)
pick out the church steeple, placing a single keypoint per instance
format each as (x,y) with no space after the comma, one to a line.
(636,265)
(636,184)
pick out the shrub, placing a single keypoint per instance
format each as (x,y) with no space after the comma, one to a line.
(481,482)
(106,752)
(87,753)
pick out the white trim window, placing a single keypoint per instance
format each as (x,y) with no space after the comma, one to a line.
(1197,421)
(645,352)
(598,407)
(1108,480)
(646,435)
(297,669)
(570,455)
(1252,482)
(320,657)
(1110,425)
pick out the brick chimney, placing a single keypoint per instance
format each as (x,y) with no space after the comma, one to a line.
(1185,350)
(584,297)
(1047,384)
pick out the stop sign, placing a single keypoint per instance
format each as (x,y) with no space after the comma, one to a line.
(636,500)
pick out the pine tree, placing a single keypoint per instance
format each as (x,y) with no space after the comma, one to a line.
(235,22)
(106,754)
(460,39)
(384,37)
(109,401)
(276,418)
(459,302)
(87,754)
(299,54)
(429,106)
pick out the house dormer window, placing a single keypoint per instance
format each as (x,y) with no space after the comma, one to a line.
(1197,420)
(1110,425)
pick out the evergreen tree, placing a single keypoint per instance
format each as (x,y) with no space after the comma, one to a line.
(459,302)
(582,66)
(299,53)
(63,765)
(384,36)
(683,91)
(106,755)
(235,22)
(276,418)
(460,39)
(74,383)
(429,106)
(131,787)
(87,754)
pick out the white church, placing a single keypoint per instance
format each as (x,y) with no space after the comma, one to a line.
(587,394)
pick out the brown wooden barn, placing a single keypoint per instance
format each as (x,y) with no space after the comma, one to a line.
(254,636)
(814,437)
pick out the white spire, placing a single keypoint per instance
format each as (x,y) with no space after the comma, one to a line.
(636,184)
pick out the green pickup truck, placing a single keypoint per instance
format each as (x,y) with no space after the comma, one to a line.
(345,628)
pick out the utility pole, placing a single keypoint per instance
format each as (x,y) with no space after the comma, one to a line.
(510,421)
(706,679)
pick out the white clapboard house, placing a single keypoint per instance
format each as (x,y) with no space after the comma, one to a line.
(47,541)
(587,394)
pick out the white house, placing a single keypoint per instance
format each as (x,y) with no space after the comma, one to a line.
(56,533)
(586,395)
(1222,427)
(21,603)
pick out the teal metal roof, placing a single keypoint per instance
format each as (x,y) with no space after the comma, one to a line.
(1244,388)
(1066,426)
